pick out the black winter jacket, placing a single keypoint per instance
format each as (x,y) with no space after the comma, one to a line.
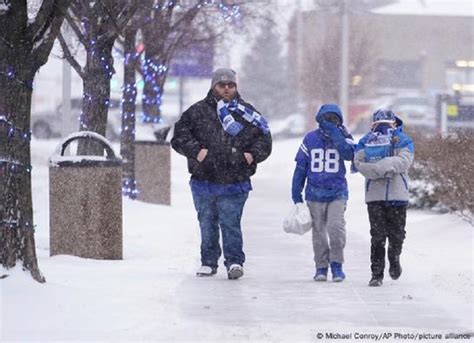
(200,128)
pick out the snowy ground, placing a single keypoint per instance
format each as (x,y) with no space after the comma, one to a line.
(153,295)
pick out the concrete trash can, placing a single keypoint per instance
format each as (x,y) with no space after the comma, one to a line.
(85,202)
(153,171)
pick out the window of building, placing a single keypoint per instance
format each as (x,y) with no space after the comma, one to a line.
(460,76)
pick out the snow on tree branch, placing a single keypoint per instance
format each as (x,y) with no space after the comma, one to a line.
(52,23)
(42,21)
(4,6)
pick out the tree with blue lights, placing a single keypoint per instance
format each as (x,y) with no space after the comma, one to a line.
(157,23)
(163,28)
(25,45)
(163,25)
(96,25)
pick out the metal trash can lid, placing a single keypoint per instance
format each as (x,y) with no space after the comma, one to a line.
(59,160)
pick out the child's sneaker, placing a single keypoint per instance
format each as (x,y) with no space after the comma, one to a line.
(206,271)
(376,281)
(321,274)
(337,273)
(235,271)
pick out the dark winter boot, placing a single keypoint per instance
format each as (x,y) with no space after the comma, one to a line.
(337,273)
(376,281)
(395,269)
(321,274)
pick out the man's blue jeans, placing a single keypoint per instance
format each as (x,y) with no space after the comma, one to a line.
(224,211)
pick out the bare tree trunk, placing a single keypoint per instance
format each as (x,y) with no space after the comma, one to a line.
(127,141)
(96,88)
(16,210)
(25,45)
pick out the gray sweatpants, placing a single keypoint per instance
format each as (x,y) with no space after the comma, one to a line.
(329,231)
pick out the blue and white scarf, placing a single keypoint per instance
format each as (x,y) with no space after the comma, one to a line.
(230,125)
(379,143)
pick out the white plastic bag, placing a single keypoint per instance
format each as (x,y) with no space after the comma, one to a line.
(298,220)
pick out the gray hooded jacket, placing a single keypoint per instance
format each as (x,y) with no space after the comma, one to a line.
(387,179)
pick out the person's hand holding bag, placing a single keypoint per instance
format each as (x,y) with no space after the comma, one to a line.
(298,220)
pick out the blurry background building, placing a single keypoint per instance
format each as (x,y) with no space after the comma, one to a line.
(395,51)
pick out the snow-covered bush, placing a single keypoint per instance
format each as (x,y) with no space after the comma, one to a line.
(422,194)
(443,173)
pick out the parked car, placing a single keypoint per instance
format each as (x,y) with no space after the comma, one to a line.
(49,124)
(46,125)
(417,112)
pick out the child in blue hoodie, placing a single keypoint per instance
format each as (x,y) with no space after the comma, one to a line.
(320,164)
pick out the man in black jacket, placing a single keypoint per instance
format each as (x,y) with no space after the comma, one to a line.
(223,138)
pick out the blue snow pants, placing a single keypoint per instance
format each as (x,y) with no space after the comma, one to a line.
(224,212)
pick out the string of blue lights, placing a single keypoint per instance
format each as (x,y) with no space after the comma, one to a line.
(13,132)
(11,75)
(153,72)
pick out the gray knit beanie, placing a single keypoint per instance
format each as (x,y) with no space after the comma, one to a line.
(223,75)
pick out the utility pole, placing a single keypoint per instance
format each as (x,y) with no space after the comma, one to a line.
(444,116)
(299,56)
(344,77)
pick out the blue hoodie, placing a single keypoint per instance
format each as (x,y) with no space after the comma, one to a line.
(320,161)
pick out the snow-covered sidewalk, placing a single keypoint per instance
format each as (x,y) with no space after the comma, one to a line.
(153,295)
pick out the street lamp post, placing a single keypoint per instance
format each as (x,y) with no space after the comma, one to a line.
(299,55)
(344,75)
